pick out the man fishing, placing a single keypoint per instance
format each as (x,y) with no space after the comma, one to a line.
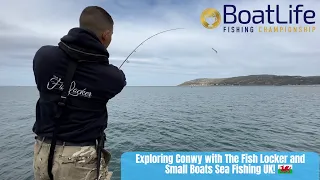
(75,81)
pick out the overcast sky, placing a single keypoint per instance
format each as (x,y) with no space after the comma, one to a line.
(168,59)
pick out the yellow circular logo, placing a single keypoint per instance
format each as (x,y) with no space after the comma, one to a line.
(210,18)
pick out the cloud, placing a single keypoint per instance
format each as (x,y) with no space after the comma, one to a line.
(183,54)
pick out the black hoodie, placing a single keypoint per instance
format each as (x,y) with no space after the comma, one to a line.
(94,83)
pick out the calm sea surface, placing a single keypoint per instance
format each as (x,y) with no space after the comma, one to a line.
(176,119)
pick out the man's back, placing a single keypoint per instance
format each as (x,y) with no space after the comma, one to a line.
(94,83)
(70,120)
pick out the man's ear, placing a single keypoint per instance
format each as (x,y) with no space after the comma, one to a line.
(109,32)
(103,36)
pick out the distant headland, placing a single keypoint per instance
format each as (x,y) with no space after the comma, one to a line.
(255,80)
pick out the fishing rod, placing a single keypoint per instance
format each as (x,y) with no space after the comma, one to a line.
(126,60)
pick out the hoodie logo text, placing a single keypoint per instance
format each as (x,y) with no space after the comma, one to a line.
(56,83)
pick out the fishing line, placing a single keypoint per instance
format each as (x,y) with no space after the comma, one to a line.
(126,60)
(215,50)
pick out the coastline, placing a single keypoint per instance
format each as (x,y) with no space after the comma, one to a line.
(256,80)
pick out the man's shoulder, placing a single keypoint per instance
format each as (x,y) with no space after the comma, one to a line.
(46,58)
(47,50)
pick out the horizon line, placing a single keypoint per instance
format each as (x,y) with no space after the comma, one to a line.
(184,81)
(125,86)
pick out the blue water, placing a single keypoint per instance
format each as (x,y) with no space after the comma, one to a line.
(177,119)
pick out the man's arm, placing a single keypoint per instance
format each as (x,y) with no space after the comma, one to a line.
(38,65)
(117,82)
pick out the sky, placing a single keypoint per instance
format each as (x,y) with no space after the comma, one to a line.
(167,59)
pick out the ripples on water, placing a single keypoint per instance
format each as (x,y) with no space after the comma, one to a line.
(177,119)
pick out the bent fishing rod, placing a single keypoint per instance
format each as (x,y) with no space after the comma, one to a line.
(126,60)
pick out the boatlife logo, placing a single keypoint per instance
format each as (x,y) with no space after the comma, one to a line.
(274,18)
(210,18)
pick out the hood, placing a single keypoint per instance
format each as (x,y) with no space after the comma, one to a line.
(84,45)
